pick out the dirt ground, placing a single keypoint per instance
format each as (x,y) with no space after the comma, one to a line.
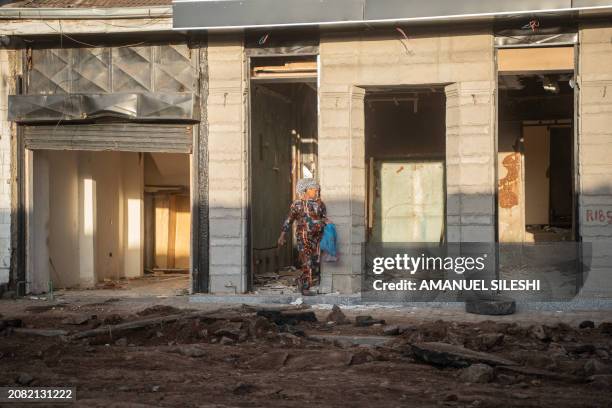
(203,355)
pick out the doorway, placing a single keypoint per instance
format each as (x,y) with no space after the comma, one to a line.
(405,160)
(283,149)
(536,157)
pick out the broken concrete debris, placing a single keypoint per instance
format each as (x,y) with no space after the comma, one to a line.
(290,317)
(243,389)
(606,327)
(363,356)
(337,316)
(76,320)
(477,373)
(24,379)
(344,341)
(113,319)
(506,354)
(391,330)
(364,321)
(122,342)
(158,310)
(538,332)
(272,360)
(487,341)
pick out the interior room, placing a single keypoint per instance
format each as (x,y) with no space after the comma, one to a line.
(110,220)
(283,149)
(405,161)
(536,157)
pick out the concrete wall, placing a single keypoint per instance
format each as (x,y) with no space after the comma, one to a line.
(595,154)
(109,215)
(7,67)
(463,62)
(537,184)
(63,207)
(166,169)
(132,205)
(227,164)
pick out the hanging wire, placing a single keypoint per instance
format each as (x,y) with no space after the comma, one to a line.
(62,34)
(403,33)
(263,39)
(148,23)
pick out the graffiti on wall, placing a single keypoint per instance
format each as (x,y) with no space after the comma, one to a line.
(598,216)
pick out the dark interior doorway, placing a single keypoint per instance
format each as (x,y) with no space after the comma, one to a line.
(405,160)
(283,131)
(536,153)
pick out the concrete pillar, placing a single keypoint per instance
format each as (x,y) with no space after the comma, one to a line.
(470,151)
(132,176)
(227,164)
(342,176)
(595,155)
(39,270)
(87,221)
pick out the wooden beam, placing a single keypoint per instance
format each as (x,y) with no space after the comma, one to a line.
(521,60)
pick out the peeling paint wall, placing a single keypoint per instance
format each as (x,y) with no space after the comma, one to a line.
(511,200)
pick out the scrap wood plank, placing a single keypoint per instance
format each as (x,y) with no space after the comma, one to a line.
(142,323)
(308,66)
(40,332)
(448,355)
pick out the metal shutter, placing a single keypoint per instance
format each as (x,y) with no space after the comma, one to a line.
(128,137)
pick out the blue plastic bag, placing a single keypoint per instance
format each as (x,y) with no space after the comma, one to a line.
(328,243)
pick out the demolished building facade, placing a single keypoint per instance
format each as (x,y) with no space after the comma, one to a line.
(493,122)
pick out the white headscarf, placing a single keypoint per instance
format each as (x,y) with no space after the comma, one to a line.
(306,184)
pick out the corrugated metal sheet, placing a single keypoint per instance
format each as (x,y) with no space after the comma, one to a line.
(129,137)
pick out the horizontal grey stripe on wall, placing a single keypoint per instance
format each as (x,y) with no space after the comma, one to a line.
(226,13)
(392,9)
(128,137)
(210,14)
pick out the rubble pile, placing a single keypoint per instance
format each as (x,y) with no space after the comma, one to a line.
(293,339)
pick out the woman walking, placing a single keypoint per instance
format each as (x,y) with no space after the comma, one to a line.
(309,214)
